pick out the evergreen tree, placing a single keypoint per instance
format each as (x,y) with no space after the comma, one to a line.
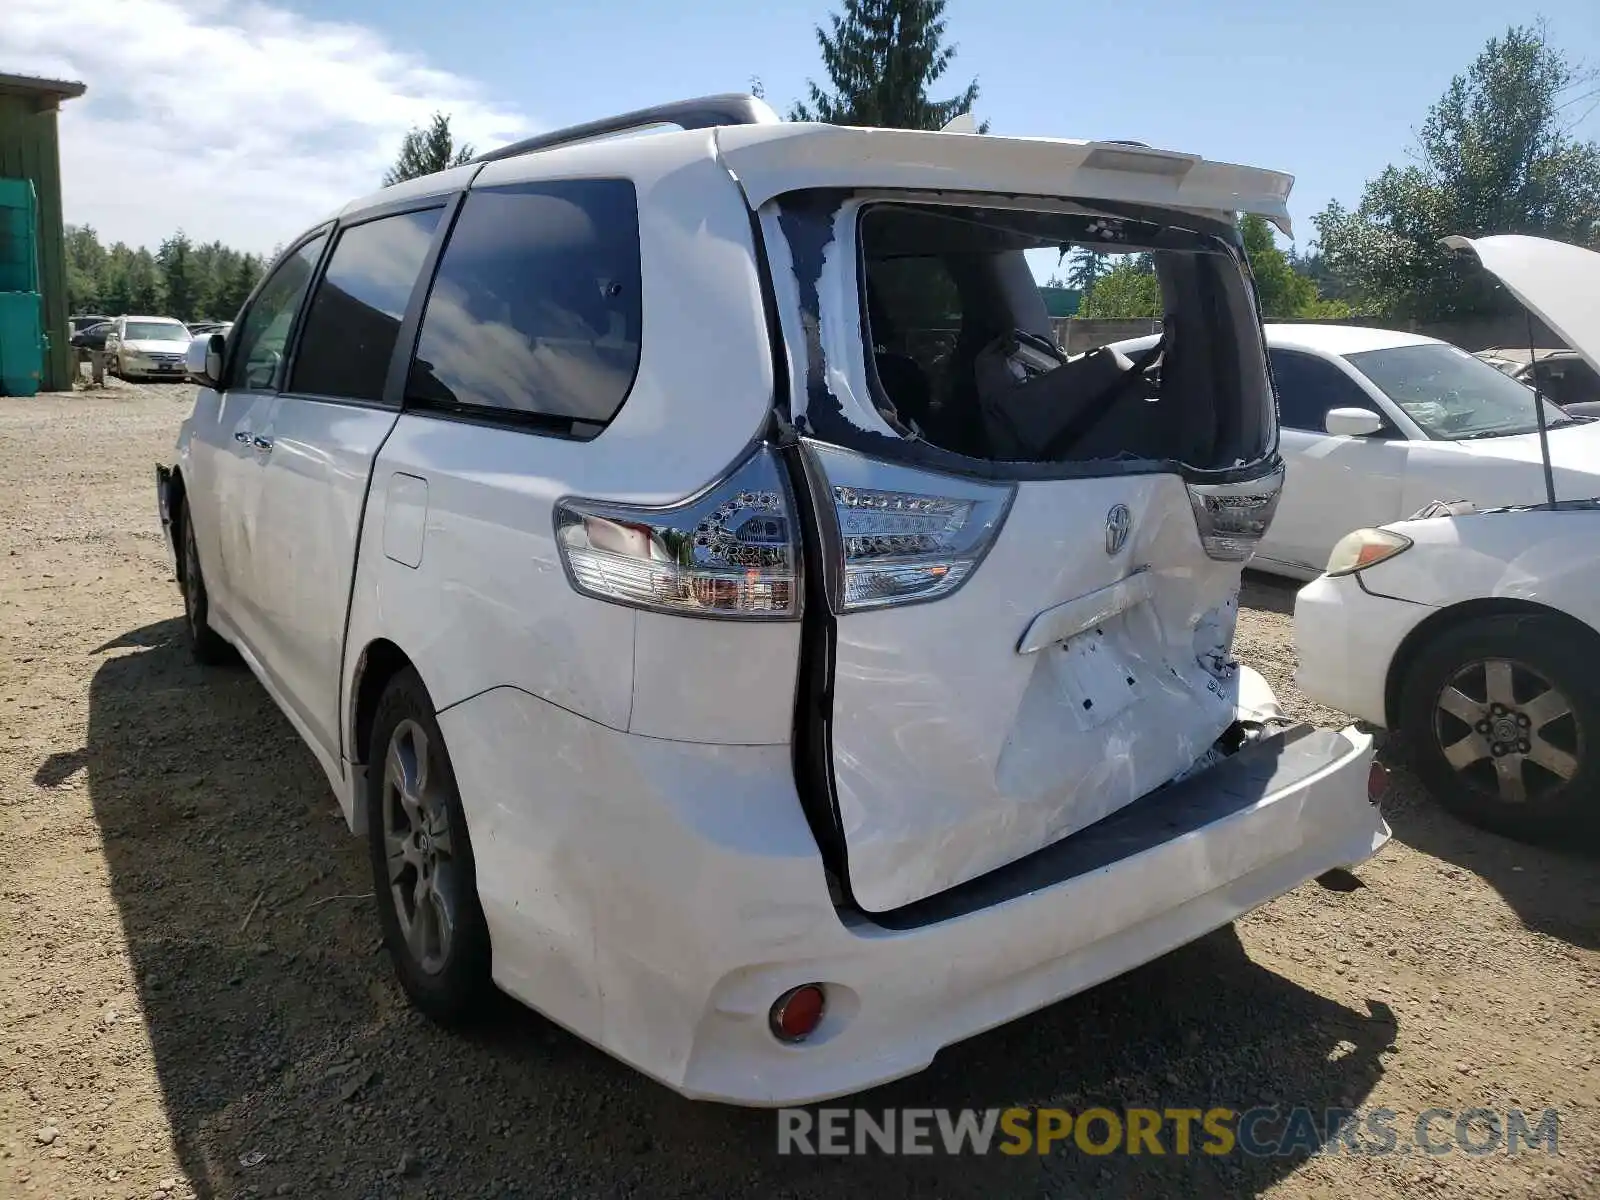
(86,269)
(881,57)
(1084,269)
(236,289)
(145,293)
(208,264)
(180,280)
(115,290)
(175,259)
(427,150)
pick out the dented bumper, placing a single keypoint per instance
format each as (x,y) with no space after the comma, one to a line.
(571,875)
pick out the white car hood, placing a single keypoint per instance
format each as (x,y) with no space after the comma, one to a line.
(147,346)
(1558,282)
(1572,448)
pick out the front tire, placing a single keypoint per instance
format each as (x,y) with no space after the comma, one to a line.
(1504,716)
(209,648)
(424,876)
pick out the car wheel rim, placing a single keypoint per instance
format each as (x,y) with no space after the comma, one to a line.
(422,872)
(191,580)
(1508,731)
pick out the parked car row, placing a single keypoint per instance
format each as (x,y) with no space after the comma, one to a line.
(710,660)
(1374,425)
(1563,376)
(1476,628)
(141,346)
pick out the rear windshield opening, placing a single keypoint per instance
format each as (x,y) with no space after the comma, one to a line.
(961,351)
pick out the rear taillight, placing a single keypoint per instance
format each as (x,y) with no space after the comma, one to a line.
(732,551)
(904,536)
(1233,517)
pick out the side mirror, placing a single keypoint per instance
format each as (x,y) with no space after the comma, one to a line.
(202,362)
(1352,422)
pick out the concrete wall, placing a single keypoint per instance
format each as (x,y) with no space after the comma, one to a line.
(29,150)
(1478,333)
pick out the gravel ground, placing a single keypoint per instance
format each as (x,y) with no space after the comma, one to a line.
(195,1004)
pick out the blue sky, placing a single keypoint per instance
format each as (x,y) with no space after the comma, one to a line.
(247,119)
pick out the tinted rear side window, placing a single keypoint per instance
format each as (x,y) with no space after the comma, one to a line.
(536,309)
(354,319)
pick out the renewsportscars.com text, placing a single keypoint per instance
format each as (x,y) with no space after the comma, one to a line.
(1258,1132)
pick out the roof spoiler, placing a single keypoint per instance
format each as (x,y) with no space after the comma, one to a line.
(704,112)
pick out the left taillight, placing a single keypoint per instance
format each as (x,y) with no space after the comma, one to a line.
(1232,518)
(733,551)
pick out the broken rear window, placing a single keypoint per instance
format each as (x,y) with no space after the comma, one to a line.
(961,358)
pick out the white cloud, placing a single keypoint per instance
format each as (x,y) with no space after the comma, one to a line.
(241,122)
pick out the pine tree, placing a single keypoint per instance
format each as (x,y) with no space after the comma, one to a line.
(425,151)
(86,269)
(175,259)
(881,57)
(145,293)
(238,285)
(1084,269)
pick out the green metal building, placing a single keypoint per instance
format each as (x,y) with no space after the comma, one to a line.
(1061,302)
(30,149)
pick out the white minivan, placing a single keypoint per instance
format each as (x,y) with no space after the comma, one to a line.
(736,628)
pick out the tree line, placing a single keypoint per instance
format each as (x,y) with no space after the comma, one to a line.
(182,279)
(1497,153)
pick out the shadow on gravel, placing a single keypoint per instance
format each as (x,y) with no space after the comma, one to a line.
(1554,889)
(290,1064)
(1271,593)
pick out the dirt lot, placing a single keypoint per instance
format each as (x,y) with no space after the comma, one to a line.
(193,1001)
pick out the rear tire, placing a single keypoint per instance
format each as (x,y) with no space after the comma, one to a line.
(424,876)
(209,648)
(1503,714)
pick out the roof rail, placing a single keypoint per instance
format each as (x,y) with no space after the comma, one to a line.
(730,108)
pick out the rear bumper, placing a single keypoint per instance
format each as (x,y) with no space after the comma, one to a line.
(657,896)
(1345,639)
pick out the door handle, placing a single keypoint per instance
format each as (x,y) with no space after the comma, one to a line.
(262,444)
(242,437)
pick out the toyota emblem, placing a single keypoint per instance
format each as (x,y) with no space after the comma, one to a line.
(1118,522)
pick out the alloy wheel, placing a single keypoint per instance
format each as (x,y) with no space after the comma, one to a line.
(424,879)
(191,579)
(1507,730)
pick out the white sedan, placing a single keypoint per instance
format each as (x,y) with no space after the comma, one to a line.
(1478,633)
(1375,425)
